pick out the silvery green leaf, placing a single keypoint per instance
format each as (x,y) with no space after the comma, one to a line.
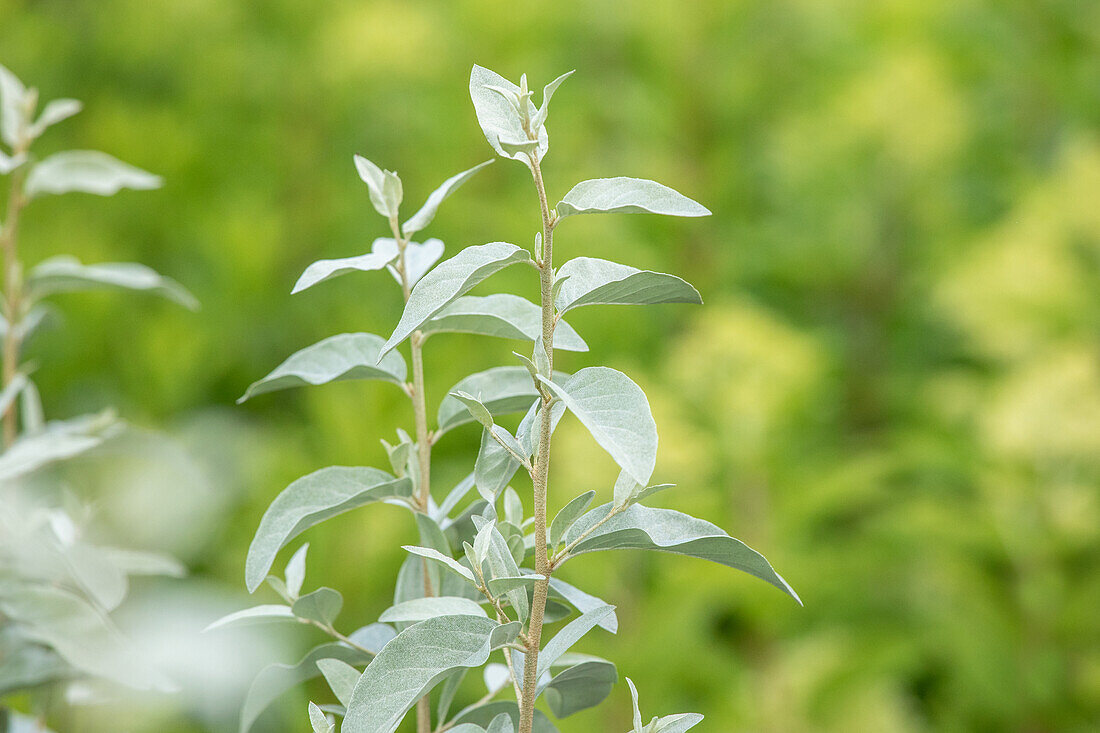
(494,468)
(497,116)
(295,572)
(424,216)
(501,315)
(477,410)
(581,686)
(569,514)
(637,709)
(265,614)
(275,679)
(625,490)
(142,562)
(30,404)
(80,633)
(482,715)
(335,359)
(451,279)
(341,678)
(547,92)
(593,281)
(65,274)
(384,186)
(531,425)
(540,357)
(502,585)
(583,602)
(95,571)
(57,441)
(616,413)
(421,609)
(11,392)
(518,147)
(318,720)
(419,258)
(627,195)
(570,635)
(322,270)
(503,565)
(678,723)
(447,694)
(87,171)
(501,724)
(447,562)
(55,111)
(457,494)
(313,499)
(496,677)
(481,544)
(322,605)
(513,507)
(414,662)
(645,528)
(12,107)
(503,390)
(8,163)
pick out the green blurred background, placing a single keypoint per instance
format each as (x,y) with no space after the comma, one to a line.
(893,390)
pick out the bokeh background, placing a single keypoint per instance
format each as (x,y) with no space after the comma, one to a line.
(893,390)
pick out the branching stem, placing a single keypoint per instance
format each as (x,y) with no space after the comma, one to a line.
(14,302)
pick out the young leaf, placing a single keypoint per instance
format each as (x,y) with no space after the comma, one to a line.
(548,92)
(501,724)
(57,441)
(421,609)
(637,709)
(502,585)
(448,562)
(341,678)
(295,572)
(503,565)
(569,514)
(581,686)
(494,468)
(8,163)
(318,721)
(12,103)
(384,187)
(65,274)
(477,411)
(335,359)
(402,673)
(627,195)
(583,602)
(570,635)
(598,282)
(616,413)
(502,390)
(503,316)
(424,216)
(322,605)
(322,270)
(645,528)
(497,117)
(451,279)
(55,111)
(86,171)
(313,499)
(252,616)
(678,723)
(419,257)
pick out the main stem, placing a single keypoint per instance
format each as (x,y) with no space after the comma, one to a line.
(542,465)
(423,441)
(13,295)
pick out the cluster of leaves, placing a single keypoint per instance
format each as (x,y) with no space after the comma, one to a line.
(57,589)
(479,582)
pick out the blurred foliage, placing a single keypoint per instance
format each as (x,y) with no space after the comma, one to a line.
(893,392)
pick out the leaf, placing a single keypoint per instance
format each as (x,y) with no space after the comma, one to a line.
(634,701)
(335,359)
(275,679)
(627,195)
(322,605)
(598,282)
(570,634)
(616,413)
(645,528)
(265,614)
(580,687)
(55,111)
(448,692)
(450,279)
(322,270)
(569,514)
(499,119)
(422,609)
(548,92)
(65,274)
(477,411)
(494,468)
(87,171)
(419,257)
(414,662)
(424,216)
(503,390)
(501,724)
(8,163)
(384,187)
(503,565)
(313,499)
(438,557)
(341,678)
(583,602)
(295,572)
(457,494)
(57,441)
(11,392)
(318,721)
(678,723)
(12,104)
(503,316)
(483,715)
(505,584)
(141,562)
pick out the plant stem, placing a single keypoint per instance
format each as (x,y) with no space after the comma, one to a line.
(423,441)
(13,293)
(542,465)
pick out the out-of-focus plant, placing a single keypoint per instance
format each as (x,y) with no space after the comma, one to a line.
(57,588)
(482,579)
